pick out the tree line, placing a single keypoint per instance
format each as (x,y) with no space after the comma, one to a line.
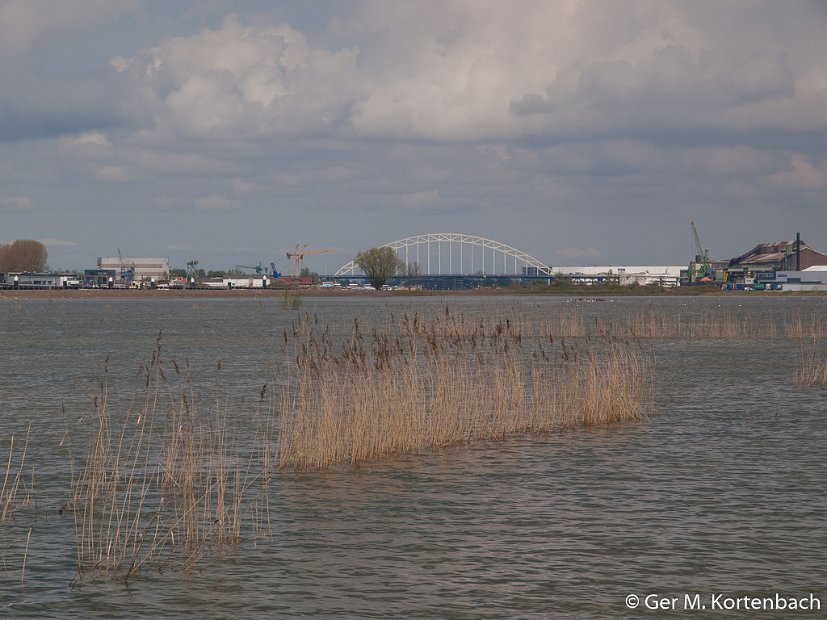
(23,255)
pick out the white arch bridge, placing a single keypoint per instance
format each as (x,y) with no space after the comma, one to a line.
(459,254)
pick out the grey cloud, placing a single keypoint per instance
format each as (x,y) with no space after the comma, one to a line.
(43,107)
(15,202)
(555,126)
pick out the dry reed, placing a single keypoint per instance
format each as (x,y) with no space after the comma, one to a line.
(16,492)
(166,483)
(657,323)
(812,367)
(16,496)
(429,384)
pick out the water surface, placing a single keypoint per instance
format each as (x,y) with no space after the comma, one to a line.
(720,490)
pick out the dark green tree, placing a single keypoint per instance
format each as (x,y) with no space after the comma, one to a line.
(379,265)
(306,273)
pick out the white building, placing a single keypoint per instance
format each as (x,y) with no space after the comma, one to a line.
(40,280)
(144,269)
(811,279)
(248,282)
(662,275)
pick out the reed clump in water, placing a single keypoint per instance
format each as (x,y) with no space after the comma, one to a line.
(659,323)
(164,484)
(291,300)
(424,385)
(655,324)
(813,327)
(812,367)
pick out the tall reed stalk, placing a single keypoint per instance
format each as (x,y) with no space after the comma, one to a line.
(165,482)
(16,496)
(16,492)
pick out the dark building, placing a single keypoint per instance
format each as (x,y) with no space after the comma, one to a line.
(776,256)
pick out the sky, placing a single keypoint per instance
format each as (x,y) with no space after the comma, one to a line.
(578,131)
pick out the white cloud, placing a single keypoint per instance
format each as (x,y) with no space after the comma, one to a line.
(16,202)
(214,202)
(555,122)
(570,252)
(252,80)
(114,174)
(95,138)
(58,243)
(802,174)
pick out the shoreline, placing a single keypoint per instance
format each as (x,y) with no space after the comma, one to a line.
(319,292)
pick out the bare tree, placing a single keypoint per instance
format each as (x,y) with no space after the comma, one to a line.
(379,265)
(23,255)
(412,273)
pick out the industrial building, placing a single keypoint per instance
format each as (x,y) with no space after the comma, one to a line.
(625,275)
(808,280)
(778,256)
(136,270)
(759,268)
(39,280)
(764,263)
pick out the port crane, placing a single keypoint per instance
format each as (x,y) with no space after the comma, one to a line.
(127,273)
(701,256)
(257,268)
(301,251)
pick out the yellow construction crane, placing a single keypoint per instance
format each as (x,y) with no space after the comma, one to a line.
(300,252)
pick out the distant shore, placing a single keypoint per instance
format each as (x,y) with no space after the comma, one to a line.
(583,291)
(60,293)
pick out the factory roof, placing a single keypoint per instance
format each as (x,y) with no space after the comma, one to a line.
(765,253)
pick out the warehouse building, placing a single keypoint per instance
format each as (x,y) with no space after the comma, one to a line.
(762,262)
(139,270)
(778,256)
(807,280)
(625,275)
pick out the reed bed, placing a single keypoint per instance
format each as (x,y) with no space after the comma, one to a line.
(422,385)
(654,324)
(812,367)
(166,483)
(812,327)
(659,323)
(16,496)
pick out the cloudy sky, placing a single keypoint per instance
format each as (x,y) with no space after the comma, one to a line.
(582,132)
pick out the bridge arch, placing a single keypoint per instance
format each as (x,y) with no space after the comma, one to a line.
(470,254)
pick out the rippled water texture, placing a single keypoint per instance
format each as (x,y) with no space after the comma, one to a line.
(720,490)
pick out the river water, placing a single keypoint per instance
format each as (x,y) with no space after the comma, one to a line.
(719,491)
